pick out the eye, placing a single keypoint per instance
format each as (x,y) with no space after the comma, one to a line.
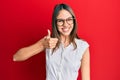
(70,19)
(59,20)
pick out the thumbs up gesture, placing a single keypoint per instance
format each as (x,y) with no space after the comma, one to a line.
(50,42)
(48,36)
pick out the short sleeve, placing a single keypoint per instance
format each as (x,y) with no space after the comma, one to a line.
(48,53)
(82,46)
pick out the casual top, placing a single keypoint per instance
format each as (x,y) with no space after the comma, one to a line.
(64,63)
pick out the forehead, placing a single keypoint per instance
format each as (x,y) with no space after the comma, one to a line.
(63,14)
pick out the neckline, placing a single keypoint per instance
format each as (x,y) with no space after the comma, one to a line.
(62,45)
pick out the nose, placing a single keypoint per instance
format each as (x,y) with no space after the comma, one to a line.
(65,24)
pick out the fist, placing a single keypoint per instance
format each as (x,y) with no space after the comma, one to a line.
(50,42)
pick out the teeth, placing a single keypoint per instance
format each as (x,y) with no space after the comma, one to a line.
(65,29)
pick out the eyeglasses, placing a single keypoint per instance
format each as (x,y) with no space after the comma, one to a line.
(69,21)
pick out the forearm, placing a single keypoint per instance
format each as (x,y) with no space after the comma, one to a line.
(85,73)
(85,66)
(27,52)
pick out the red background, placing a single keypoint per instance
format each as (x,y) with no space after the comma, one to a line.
(23,22)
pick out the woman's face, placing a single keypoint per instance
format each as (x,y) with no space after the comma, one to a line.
(65,22)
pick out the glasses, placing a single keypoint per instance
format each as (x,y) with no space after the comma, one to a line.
(69,21)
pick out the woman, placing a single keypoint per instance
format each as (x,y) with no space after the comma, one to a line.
(65,52)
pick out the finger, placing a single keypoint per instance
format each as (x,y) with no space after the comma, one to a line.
(53,39)
(52,46)
(48,36)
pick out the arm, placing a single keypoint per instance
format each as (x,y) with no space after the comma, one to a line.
(85,65)
(27,52)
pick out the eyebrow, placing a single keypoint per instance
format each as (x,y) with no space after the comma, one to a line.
(66,18)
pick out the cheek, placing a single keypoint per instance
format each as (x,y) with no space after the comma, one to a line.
(59,27)
(72,26)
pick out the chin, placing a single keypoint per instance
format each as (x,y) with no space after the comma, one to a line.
(65,34)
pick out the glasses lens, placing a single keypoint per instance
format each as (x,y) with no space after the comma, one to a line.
(69,21)
(60,22)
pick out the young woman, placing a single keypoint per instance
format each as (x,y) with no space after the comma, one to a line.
(65,52)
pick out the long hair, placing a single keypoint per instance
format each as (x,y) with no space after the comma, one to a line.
(55,32)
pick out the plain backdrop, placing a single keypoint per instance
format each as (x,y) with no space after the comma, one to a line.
(24,22)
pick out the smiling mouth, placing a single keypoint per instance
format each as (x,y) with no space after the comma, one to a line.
(65,29)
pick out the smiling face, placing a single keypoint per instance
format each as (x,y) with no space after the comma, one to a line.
(64,25)
(65,22)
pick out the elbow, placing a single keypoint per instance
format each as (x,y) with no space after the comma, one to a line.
(19,56)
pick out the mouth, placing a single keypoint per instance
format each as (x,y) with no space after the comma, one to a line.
(65,29)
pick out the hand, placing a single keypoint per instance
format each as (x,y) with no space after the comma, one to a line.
(50,42)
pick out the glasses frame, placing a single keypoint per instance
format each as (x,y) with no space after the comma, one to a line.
(65,20)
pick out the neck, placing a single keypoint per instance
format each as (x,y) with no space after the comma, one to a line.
(65,40)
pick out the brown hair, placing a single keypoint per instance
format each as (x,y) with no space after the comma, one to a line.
(55,32)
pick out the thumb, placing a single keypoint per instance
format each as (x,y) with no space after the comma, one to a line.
(48,36)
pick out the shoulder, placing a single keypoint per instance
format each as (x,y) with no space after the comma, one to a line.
(82,46)
(81,42)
